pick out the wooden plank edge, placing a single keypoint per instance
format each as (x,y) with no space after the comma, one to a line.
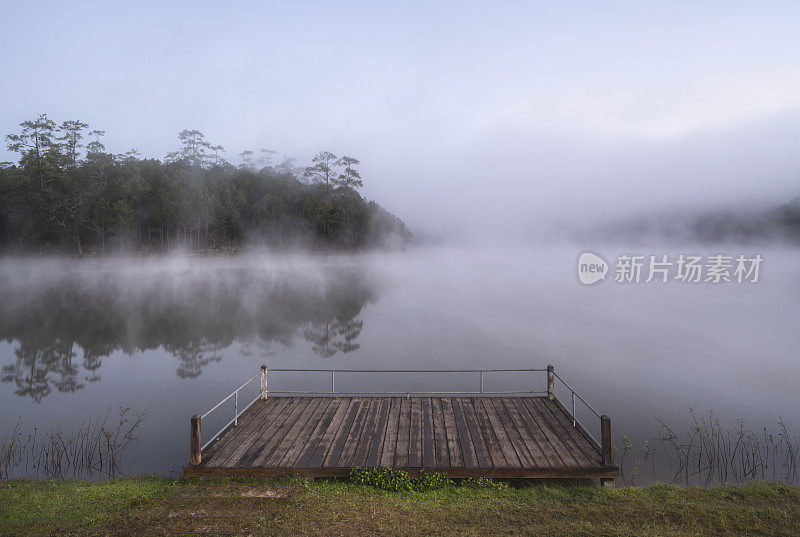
(456,473)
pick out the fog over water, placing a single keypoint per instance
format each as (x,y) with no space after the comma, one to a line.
(509,137)
(182,332)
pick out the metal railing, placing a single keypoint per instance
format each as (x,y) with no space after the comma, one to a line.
(573,415)
(236,413)
(481,374)
(604,445)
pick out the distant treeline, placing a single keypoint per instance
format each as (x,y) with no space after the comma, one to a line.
(65,196)
(780,223)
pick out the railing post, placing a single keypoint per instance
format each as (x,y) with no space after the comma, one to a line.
(195,443)
(333,381)
(264,381)
(481,381)
(605,438)
(236,410)
(573,408)
(551,381)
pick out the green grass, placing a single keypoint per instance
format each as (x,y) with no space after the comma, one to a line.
(28,505)
(295,507)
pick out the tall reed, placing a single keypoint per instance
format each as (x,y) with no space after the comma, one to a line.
(94,449)
(711,453)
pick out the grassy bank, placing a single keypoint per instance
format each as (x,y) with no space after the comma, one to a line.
(158,506)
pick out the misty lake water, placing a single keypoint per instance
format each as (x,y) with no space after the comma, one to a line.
(180,333)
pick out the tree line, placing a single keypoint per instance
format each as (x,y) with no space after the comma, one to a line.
(68,194)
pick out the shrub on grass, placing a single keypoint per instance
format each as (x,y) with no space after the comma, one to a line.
(483,483)
(399,480)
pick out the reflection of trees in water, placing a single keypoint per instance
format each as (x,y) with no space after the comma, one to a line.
(193,357)
(329,337)
(192,315)
(41,367)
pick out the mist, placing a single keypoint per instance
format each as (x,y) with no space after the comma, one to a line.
(470,123)
(180,331)
(436,173)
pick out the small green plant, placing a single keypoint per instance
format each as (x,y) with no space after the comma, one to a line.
(483,483)
(382,478)
(432,481)
(140,500)
(399,480)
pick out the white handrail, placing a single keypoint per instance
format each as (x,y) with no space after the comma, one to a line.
(575,420)
(234,392)
(406,370)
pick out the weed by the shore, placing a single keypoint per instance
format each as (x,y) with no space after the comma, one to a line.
(400,481)
(94,449)
(712,454)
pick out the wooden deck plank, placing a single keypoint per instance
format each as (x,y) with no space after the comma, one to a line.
(367,433)
(289,442)
(581,436)
(289,455)
(554,432)
(428,453)
(295,416)
(506,444)
(478,442)
(280,448)
(374,454)
(580,442)
(453,442)
(403,434)
(528,459)
(414,434)
(339,442)
(251,445)
(544,458)
(389,447)
(467,448)
(245,437)
(355,433)
(439,434)
(531,424)
(318,435)
(273,436)
(489,436)
(251,419)
(462,436)
(326,443)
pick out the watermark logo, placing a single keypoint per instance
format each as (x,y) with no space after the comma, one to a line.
(591,268)
(718,268)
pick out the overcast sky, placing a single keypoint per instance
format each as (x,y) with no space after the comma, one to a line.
(503,114)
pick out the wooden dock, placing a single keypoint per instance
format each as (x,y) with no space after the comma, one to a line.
(468,435)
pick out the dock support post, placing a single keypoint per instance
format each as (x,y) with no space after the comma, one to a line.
(196,456)
(264,382)
(551,381)
(605,438)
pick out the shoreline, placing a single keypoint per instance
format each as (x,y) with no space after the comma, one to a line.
(292,506)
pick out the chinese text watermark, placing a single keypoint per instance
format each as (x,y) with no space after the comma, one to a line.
(663,268)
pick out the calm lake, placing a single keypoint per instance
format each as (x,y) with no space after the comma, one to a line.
(180,333)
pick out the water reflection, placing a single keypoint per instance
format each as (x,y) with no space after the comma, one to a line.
(65,318)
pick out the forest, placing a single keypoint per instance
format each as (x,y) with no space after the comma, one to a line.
(68,195)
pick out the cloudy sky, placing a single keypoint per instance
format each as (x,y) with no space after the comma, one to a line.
(496,114)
